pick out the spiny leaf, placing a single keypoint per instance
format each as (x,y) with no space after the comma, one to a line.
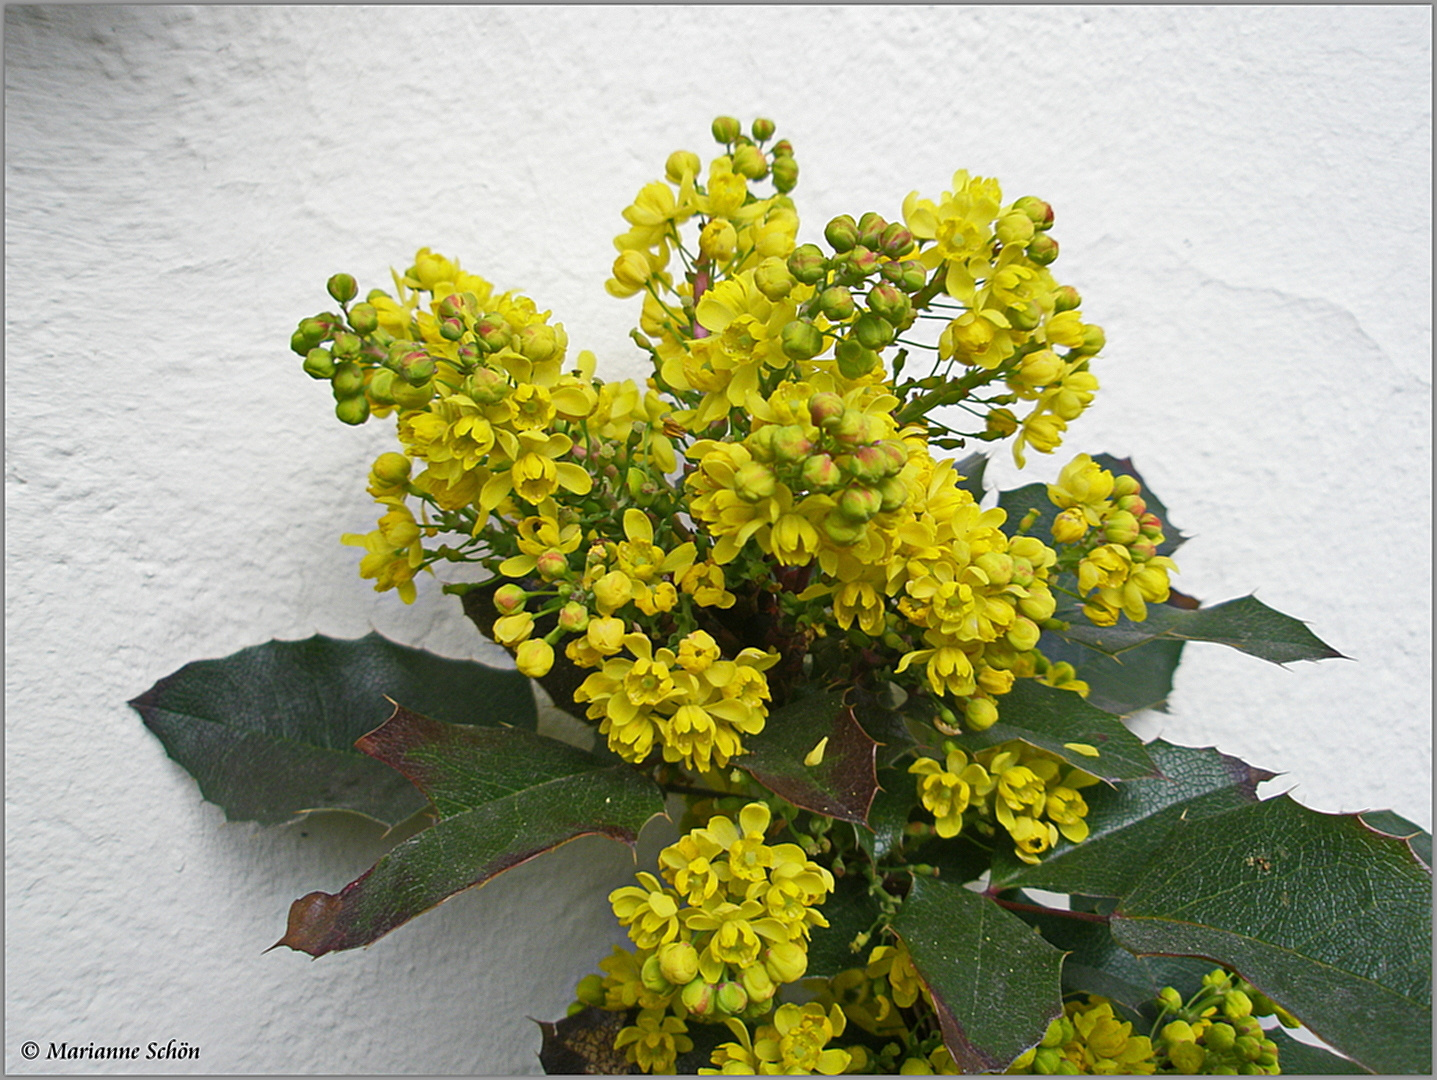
(995,983)
(1303,1059)
(850,911)
(842,784)
(1128,824)
(1052,719)
(1418,838)
(972,468)
(503,797)
(1246,624)
(269,731)
(1141,678)
(583,1044)
(1324,915)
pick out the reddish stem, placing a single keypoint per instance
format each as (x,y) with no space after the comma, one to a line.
(1039,909)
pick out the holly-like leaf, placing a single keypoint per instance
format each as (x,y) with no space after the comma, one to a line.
(1303,1059)
(995,983)
(971,469)
(1246,624)
(888,814)
(1054,720)
(850,910)
(1418,838)
(1131,822)
(269,732)
(502,796)
(583,1044)
(1321,913)
(1141,678)
(842,784)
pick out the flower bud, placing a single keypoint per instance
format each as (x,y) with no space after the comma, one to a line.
(854,360)
(342,287)
(1025,316)
(1037,211)
(391,468)
(1151,527)
(791,444)
(551,565)
(980,713)
(319,364)
(451,329)
(773,279)
(1170,999)
(1236,1005)
(1187,1057)
(909,275)
(895,241)
(487,386)
(1043,249)
(836,303)
(801,340)
(717,241)
(492,332)
(534,658)
(889,303)
(1042,368)
(997,565)
(1066,298)
(613,590)
(762,129)
(859,503)
(755,482)
(1220,1037)
(590,990)
(873,332)
(870,230)
(537,343)
(1014,229)
(509,599)
(893,492)
(347,380)
(352,410)
(682,163)
(820,473)
(841,233)
(679,962)
(1093,340)
(852,428)
(631,270)
(1120,528)
(363,318)
(749,161)
(346,345)
(417,367)
(825,409)
(843,531)
(312,331)
(731,997)
(726,129)
(869,464)
(807,264)
(1023,634)
(786,962)
(760,443)
(574,619)
(757,983)
(785,174)
(862,262)
(698,997)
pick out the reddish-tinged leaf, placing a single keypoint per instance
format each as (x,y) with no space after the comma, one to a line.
(842,784)
(503,796)
(583,1044)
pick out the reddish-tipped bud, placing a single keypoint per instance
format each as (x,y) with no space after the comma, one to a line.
(726,129)
(451,329)
(417,367)
(749,161)
(492,333)
(889,303)
(762,129)
(1066,298)
(1043,249)
(342,287)
(896,241)
(785,174)
(853,428)
(859,503)
(1036,210)
(869,464)
(698,997)
(808,264)
(509,599)
(863,262)
(791,444)
(731,998)
(826,409)
(870,230)
(893,492)
(821,473)
(841,233)
(364,318)
(551,565)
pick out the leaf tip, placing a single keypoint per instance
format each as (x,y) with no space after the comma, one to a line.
(311,919)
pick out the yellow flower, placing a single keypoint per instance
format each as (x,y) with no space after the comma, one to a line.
(946,790)
(651,913)
(796,1040)
(655,1041)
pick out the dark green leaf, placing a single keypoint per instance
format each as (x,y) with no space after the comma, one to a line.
(842,784)
(584,1043)
(1385,821)
(972,468)
(269,732)
(1246,624)
(1128,824)
(850,911)
(958,860)
(1324,915)
(1096,964)
(888,814)
(1019,501)
(1296,1058)
(1141,678)
(503,796)
(1050,719)
(995,982)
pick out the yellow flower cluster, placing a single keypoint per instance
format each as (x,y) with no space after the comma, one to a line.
(795,1043)
(1106,518)
(727,925)
(1088,1039)
(1024,789)
(995,260)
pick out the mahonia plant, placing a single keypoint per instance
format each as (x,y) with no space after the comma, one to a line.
(883,705)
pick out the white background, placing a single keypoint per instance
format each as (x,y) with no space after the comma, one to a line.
(1243,199)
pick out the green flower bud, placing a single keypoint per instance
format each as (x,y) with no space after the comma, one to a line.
(762,129)
(854,360)
(1055,1035)
(347,381)
(1220,1037)
(364,318)
(1247,1047)
(841,233)
(853,428)
(980,713)
(893,492)
(868,464)
(731,998)
(773,279)
(785,174)
(726,129)
(682,163)
(1236,1005)
(652,976)
(538,343)
(1170,999)
(487,386)
(1187,1057)
(843,531)
(698,997)
(997,565)
(411,397)
(1046,1061)
(417,367)
(313,331)
(749,161)
(757,984)
(873,332)
(319,364)
(352,410)
(451,329)
(1037,211)
(346,345)
(342,287)
(1093,341)
(820,473)
(299,343)
(896,241)
(783,148)
(1025,316)
(807,264)
(1120,528)
(1043,250)
(791,444)
(1000,423)
(826,410)
(755,482)
(888,303)
(862,262)
(836,303)
(786,961)
(1066,298)
(1178,1031)
(492,333)
(870,230)
(1125,485)
(381,386)
(859,503)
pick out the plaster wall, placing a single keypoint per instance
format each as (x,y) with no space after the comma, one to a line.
(1243,197)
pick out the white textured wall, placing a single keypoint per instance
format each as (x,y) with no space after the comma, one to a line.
(1243,198)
